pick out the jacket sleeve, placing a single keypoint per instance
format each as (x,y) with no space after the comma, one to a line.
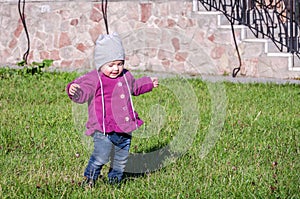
(141,85)
(87,88)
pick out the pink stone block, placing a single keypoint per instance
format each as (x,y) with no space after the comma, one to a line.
(164,10)
(164,55)
(217,52)
(38,44)
(160,22)
(96,15)
(152,52)
(41,35)
(54,55)
(211,38)
(30,55)
(181,56)
(178,67)
(66,63)
(250,67)
(171,23)
(134,60)
(98,6)
(55,40)
(74,22)
(4,54)
(81,47)
(184,22)
(166,63)
(95,32)
(18,30)
(132,12)
(199,36)
(176,7)
(44,55)
(13,43)
(176,44)
(65,14)
(64,40)
(146,9)
(78,63)
(157,21)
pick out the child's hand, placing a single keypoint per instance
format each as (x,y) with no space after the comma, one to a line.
(73,89)
(155,81)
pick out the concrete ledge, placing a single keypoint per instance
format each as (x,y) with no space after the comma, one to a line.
(229,26)
(256,40)
(209,13)
(280,55)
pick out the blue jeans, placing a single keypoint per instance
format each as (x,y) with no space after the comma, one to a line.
(114,145)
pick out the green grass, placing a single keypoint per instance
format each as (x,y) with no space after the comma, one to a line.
(255,155)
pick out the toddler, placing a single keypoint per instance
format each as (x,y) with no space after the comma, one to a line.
(111,114)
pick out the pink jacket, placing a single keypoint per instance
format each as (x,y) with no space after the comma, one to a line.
(119,115)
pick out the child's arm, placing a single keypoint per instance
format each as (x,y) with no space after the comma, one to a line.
(142,85)
(82,88)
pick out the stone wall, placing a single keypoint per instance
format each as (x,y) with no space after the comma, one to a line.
(157,36)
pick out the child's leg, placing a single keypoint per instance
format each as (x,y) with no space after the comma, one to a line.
(99,157)
(121,145)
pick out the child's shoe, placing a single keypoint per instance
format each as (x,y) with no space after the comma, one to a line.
(114,181)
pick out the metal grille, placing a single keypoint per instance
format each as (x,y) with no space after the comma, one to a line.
(277,20)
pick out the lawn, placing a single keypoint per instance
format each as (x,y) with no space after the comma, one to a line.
(199,140)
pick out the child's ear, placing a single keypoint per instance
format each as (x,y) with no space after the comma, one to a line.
(101,67)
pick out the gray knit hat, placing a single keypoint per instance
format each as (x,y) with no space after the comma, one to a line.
(108,48)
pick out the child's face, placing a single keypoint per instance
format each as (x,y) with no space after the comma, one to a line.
(113,69)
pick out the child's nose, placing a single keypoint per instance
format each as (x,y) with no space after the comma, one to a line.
(115,67)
